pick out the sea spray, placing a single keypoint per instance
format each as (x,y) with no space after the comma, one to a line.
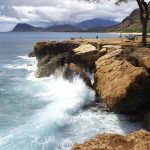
(64,100)
(58,121)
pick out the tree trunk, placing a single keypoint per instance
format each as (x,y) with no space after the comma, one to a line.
(144,16)
(144,33)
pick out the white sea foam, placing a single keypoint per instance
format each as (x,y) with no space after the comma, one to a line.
(26,63)
(65,98)
(26,58)
(61,122)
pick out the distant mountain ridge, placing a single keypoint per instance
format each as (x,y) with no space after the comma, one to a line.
(23,27)
(96,23)
(80,27)
(63,28)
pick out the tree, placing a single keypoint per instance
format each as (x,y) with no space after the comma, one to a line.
(144,16)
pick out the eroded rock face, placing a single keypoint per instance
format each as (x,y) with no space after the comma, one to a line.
(73,70)
(139,140)
(86,55)
(48,65)
(42,49)
(44,61)
(124,87)
(143,57)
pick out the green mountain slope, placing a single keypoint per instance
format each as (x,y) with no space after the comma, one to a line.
(131,23)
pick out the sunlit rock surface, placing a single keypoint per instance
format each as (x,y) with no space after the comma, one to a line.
(124,87)
(86,54)
(139,140)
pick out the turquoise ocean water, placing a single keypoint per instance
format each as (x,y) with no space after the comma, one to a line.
(46,114)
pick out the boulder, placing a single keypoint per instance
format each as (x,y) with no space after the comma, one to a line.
(124,87)
(143,57)
(139,140)
(49,67)
(86,55)
(74,70)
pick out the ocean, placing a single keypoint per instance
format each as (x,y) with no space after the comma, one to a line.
(46,113)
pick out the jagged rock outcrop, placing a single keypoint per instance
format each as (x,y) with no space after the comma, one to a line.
(53,48)
(48,65)
(72,70)
(124,87)
(52,55)
(139,140)
(85,55)
(121,72)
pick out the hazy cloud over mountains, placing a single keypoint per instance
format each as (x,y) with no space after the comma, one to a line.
(43,12)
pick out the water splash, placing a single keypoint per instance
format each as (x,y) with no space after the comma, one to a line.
(59,121)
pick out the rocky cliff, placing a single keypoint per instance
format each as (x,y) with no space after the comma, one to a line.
(121,79)
(121,72)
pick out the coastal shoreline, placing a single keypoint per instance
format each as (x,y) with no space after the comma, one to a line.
(99,56)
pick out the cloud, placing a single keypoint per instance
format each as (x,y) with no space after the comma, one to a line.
(60,11)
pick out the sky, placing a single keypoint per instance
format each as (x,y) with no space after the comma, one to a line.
(47,12)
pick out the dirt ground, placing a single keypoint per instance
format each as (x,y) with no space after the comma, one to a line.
(114,41)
